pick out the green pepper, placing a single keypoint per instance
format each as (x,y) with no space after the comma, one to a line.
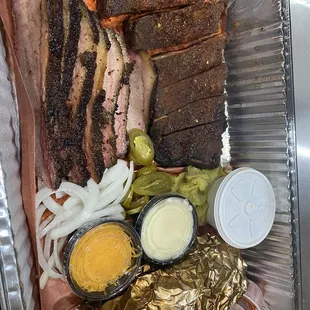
(128,198)
(141,150)
(134,211)
(146,170)
(140,202)
(152,184)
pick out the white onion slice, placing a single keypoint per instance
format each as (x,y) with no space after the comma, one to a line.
(74,190)
(60,218)
(58,245)
(60,194)
(93,196)
(52,205)
(71,202)
(47,246)
(128,183)
(110,198)
(42,194)
(108,211)
(114,173)
(44,276)
(43,263)
(46,222)
(65,229)
(115,185)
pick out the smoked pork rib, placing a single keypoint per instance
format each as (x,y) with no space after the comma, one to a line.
(165,30)
(204,85)
(194,114)
(198,146)
(176,66)
(110,8)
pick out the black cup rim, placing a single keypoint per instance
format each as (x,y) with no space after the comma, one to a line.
(144,212)
(73,240)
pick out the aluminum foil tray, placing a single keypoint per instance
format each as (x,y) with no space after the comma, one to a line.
(261,132)
(261,135)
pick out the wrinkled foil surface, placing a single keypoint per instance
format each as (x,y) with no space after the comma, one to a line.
(211,277)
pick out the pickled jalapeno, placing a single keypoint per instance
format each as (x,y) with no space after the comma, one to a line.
(153,183)
(141,150)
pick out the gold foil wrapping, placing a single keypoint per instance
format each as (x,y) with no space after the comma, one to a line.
(211,277)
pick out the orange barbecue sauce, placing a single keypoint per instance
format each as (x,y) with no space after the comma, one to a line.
(101,257)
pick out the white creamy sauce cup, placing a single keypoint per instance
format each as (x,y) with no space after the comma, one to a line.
(242,207)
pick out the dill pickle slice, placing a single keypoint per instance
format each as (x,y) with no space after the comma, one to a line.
(146,170)
(141,149)
(152,184)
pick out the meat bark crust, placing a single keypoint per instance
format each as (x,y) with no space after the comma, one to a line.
(192,115)
(204,85)
(98,120)
(163,30)
(110,8)
(120,116)
(56,113)
(93,138)
(198,146)
(80,174)
(176,66)
(111,85)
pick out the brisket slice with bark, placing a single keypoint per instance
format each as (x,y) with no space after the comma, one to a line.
(176,66)
(111,85)
(55,128)
(135,110)
(110,8)
(142,85)
(162,31)
(192,115)
(120,117)
(149,84)
(80,93)
(204,85)
(92,140)
(198,146)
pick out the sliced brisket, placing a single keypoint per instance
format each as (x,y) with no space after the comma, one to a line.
(164,30)
(198,146)
(194,114)
(204,85)
(120,117)
(93,139)
(111,85)
(142,82)
(177,66)
(135,110)
(55,125)
(110,8)
(149,84)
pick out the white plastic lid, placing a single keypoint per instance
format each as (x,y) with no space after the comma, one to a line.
(244,208)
